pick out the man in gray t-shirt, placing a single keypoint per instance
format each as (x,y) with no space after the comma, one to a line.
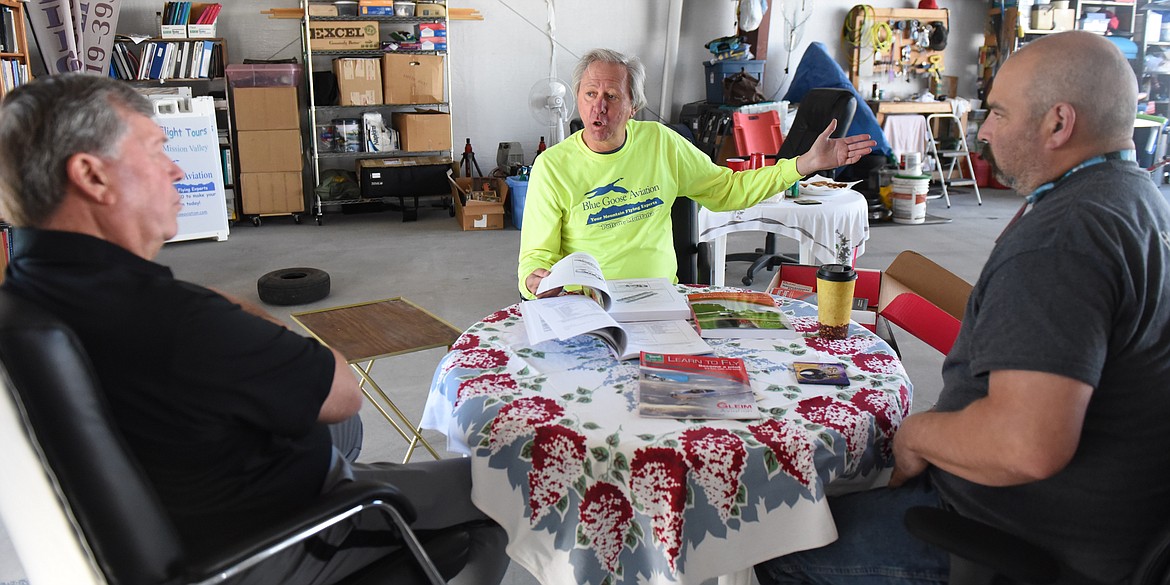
(1054,418)
(1055,414)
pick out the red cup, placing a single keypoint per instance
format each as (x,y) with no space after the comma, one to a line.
(737,164)
(757,161)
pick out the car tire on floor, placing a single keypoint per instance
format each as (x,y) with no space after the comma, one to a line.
(293,286)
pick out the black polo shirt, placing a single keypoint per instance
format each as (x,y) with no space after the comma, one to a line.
(219,406)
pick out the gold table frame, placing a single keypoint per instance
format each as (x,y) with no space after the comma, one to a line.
(368,331)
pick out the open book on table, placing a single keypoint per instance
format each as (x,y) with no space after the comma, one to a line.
(683,386)
(570,315)
(745,314)
(631,299)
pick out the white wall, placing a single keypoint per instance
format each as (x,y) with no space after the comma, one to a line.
(495,62)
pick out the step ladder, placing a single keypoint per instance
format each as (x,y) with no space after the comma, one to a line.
(946,177)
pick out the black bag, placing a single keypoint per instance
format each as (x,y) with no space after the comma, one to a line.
(741,89)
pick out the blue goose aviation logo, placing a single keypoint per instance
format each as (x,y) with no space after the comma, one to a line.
(612,201)
(610,188)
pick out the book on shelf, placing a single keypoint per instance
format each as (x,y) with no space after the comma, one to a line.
(746,314)
(631,299)
(684,386)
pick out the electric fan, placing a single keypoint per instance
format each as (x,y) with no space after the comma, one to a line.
(551,103)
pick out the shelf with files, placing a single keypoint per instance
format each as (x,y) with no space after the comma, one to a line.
(169,59)
(14,48)
(370,37)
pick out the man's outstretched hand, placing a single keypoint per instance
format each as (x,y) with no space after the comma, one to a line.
(830,153)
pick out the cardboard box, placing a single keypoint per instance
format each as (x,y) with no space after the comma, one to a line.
(318,9)
(425,30)
(479,215)
(343,35)
(359,81)
(173,31)
(914,293)
(412,79)
(914,273)
(433,44)
(269,151)
(377,7)
(264,193)
(1064,19)
(265,108)
(201,31)
(799,281)
(1042,17)
(430,10)
(423,131)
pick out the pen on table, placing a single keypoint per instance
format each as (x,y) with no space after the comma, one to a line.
(637,297)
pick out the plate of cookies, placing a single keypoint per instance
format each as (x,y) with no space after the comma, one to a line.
(820,185)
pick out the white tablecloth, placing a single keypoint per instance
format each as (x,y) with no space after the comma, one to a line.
(834,231)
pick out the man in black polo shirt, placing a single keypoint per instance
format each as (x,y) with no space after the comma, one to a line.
(225,408)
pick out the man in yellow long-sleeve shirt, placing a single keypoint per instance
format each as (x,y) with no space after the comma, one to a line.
(608,189)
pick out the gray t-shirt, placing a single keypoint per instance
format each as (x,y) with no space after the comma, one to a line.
(1080,286)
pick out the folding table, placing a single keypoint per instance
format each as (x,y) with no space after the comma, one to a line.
(369,331)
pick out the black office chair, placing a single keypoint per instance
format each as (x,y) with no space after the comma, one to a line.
(819,106)
(984,555)
(113,505)
(693,256)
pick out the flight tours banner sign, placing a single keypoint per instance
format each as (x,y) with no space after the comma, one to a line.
(75,35)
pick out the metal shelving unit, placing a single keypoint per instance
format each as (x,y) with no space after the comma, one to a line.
(319,60)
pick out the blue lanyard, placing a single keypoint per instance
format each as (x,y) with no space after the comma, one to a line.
(1043,190)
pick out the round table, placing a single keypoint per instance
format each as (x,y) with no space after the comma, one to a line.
(589,492)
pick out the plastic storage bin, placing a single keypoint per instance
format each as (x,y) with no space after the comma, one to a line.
(716,72)
(517,192)
(263,75)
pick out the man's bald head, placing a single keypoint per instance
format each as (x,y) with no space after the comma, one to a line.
(1087,71)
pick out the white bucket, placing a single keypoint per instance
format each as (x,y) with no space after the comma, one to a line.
(909,198)
(912,163)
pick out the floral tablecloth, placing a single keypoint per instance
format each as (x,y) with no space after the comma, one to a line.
(589,492)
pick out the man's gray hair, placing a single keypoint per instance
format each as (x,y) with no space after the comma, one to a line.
(44,123)
(636,72)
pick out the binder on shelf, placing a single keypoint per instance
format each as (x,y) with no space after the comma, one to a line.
(158,58)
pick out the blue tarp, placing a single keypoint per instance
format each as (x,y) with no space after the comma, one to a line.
(818,69)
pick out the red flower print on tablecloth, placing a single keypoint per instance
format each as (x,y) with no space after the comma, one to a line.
(477,359)
(792,446)
(886,414)
(804,324)
(876,363)
(848,346)
(485,385)
(658,483)
(716,457)
(520,417)
(605,518)
(502,314)
(558,454)
(465,341)
(842,417)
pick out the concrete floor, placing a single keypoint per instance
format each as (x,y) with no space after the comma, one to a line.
(463,276)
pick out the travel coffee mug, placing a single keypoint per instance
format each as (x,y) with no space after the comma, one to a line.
(834,300)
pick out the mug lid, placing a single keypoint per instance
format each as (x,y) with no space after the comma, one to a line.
(836,272)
